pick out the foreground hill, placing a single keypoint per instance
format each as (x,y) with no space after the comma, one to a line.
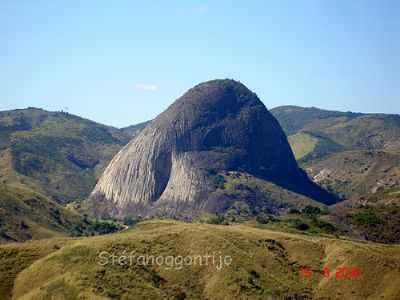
(177,165)
(56,153)
(256,264)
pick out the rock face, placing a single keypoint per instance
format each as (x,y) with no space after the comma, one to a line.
(170,167)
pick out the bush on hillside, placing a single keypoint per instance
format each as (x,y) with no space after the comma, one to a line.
(311,210)
(367,217)
(299,225)
(263,218)
(130,221)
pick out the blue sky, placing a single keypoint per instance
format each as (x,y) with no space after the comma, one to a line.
(123,62)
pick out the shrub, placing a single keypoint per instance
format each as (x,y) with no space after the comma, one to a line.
(294,211)
(241,210)
(180,296)
(311,210)
(325,211)
(299,225)
(325,226)
(104,227)
(262,218)
(367,217)
(217,220)
(130,221)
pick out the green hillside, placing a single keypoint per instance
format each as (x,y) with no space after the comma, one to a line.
(351,154)
(355,174)
(302,144)
(357,156)
(349,131)
(26,215)
(58,153)
(133,130)
(48,159)
(295,118)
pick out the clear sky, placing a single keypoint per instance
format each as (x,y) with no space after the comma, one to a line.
(123,62)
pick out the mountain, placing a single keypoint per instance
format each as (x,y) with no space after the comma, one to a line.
(315,133)
(168,260)
(55,153)
(296,118)
(133,130)
(182,162)
(356,156)
(352,154)
(47,160)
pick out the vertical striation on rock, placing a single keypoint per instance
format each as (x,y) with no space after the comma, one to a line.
(168,168)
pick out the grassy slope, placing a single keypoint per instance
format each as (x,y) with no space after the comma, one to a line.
(370,179)
(26,214)
(302,144)
(294,119)
(340,142)
(257,192)
(47,157)
(359,150)
(59,153)
(265,264)
(380,223)
(348,131)
(357,173)
(16,257)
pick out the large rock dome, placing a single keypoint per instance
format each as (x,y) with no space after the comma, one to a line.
(170,166)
